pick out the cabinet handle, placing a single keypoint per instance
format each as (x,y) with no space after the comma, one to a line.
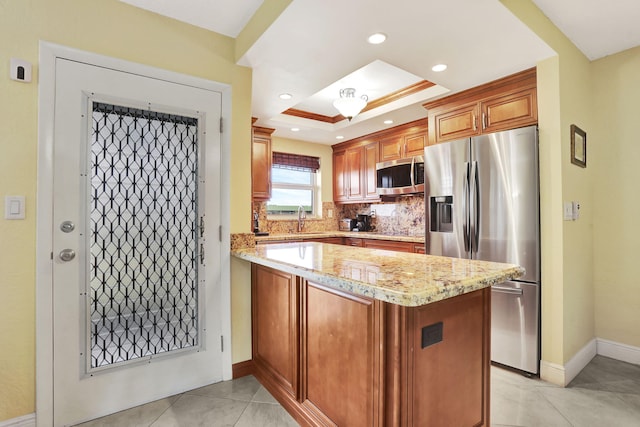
(474,123)
(484,121)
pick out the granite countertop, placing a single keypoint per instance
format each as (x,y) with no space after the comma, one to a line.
(396,277)
(322,234)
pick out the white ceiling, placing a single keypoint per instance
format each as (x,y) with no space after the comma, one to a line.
(597,27)
(315,48)
(226,17)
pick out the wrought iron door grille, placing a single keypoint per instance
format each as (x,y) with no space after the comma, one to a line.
(143,278)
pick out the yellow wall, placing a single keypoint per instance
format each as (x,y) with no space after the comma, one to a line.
(111,28)
(615,155)
(310,149)
(567,282)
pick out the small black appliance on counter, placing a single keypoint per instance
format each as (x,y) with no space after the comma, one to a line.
(363,223)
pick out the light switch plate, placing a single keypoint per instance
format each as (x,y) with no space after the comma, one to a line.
(14,207)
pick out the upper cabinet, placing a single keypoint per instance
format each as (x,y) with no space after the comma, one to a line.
(503,104)
(261,163)
(348,170)
(402,146)
(354,161)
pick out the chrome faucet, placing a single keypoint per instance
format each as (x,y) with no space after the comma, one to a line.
(302,215)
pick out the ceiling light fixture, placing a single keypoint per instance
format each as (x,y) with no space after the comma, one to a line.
(295,129)
(286,96)
(377,38)
(439,67)
(388,122)
(339,137)
(348,105)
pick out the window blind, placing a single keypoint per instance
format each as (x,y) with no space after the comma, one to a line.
(296,161)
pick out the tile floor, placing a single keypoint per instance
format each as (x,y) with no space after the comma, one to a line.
(606,393)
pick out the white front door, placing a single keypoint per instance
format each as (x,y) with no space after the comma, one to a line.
(136,211)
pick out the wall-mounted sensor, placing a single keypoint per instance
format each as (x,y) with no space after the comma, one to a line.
(20,70)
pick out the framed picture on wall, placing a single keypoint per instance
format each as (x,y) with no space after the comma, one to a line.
(578,146)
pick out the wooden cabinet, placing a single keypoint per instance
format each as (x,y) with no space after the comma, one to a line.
(389,245)
(341,363)
(402,146)
(334,240)
(447,358)
(504,104)
(275,326)
(261,163)
(333,358)
(353,241)
(460,122)
(509,111)
(369,174)
(354,161)
(348,175)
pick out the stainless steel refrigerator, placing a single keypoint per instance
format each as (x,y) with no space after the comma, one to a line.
(482,202)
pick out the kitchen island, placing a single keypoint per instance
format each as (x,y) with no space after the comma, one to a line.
(362,337)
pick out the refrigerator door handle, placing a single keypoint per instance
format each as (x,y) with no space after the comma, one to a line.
(465,225)
(475,227)
(514,291)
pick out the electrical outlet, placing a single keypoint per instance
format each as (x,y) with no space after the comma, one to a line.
(330,213)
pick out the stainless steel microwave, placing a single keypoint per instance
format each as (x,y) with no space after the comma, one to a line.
(403,176)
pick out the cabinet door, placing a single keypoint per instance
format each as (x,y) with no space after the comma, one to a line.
(370,181)
(261,167)
(391,148)
(341,359)
(339,171)
(389,245)
(354,173)
(414,144)
(458,123)
(275,300)
(510,111)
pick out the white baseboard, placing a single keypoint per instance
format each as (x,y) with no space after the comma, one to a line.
(23,421)
(579,360)
(563,375)
(552,373)
(618,351)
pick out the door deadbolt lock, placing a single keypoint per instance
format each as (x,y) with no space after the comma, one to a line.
(67,226)
(67,255)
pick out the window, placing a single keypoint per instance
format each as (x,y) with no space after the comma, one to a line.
(294,183)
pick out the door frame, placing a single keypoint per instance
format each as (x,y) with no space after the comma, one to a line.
(48,53)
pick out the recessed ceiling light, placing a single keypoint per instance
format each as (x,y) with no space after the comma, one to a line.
(339,137)
(286,96)
(388,122)
(377,38)
(439,67)
(295,129)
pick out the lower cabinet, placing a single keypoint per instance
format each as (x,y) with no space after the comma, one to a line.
(332,358)
(341,367)
(275,299)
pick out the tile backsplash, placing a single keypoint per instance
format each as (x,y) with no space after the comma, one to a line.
(403,217)
(288,226)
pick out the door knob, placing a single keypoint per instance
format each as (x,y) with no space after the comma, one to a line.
(67,226)
(67,255)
